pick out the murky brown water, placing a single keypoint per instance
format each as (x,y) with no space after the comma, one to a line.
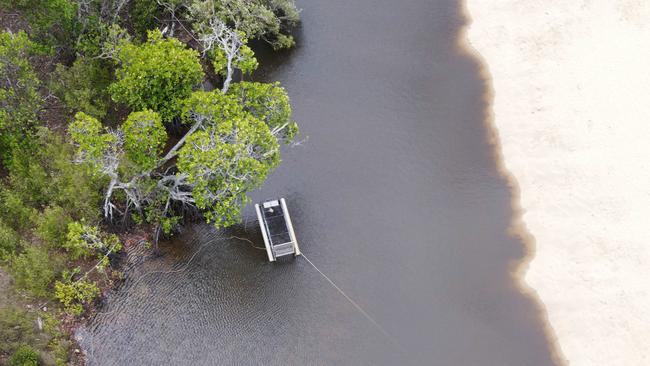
(395,196)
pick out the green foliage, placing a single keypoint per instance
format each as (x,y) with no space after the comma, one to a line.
(88,133)
(20,101)
(247,62)
(72,186)
(52,226)
(24,356)
(84,240)
(50,324)
(52,22)
(143,16)
(33,270)
(14,212)
(16,328)
(230,157)
(27,178)
(155,213)
(235,146)
(128,152)
(75,294)
(76,244)
(90,40)
(20,84)
(101,40)
(58,348)
(156,75)
(144,138)
(268,20)
(82,87)
(45,174)
(268,102)
(227,154)
(9,240)
(215,106)
(49,202)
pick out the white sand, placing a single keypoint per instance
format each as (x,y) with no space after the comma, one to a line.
(571,108)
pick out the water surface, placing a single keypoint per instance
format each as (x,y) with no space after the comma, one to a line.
(395,195)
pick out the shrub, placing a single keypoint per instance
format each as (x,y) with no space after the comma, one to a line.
(84,240)
(143,16)
(58,343)
(82,86)
(33,270)
(45,174)
(14,212)
(16,328)
(8,241)
(52,226)
(71,186)
(75,294)
(20,101)
(157,75)
(24,356)
(27,177)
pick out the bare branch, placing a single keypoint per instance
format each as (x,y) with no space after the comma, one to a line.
(228,41)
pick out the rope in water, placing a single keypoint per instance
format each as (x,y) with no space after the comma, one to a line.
(354,303)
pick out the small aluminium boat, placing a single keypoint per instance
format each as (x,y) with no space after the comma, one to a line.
(277,230)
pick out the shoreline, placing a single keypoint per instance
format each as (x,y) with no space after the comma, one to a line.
(573,152)
(518,228)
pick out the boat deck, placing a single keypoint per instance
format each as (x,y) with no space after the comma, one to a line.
(277,230)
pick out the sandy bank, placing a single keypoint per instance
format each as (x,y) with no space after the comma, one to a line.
(571,107)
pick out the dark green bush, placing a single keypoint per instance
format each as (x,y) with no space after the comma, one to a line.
(52,226)
(33,270)
(143,16)
(28,179)
(20,101)
(9,240)
(14,212)
(46,174)
(82,86)
(72,186)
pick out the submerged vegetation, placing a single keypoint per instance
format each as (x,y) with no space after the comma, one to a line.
(105,127)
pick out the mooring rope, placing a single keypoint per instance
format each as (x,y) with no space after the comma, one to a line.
(354,303)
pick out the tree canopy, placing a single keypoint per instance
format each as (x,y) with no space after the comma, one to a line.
(156,75)
(230,148)
(20,101)
(144,138)
(231,144)
(267,20)
(231,154)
